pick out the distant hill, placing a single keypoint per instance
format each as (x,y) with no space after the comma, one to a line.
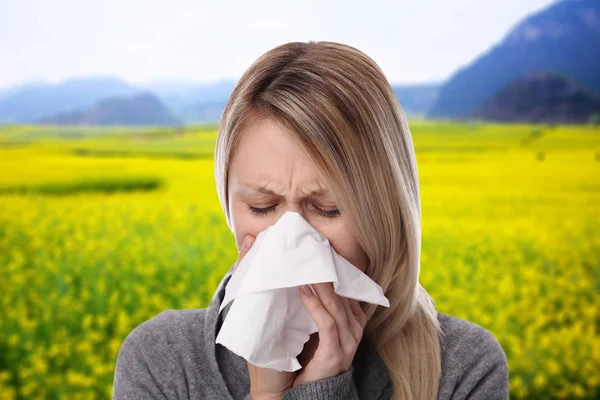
(140,109)
(417,99)
(564,37)
(188,92)
(8,91)
(201,102)
(32,102)
(541,97)
(194,101)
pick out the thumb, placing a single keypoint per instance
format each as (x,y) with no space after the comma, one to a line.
(245,247)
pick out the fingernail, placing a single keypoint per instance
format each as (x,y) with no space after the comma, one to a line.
(246,243)
(307,290)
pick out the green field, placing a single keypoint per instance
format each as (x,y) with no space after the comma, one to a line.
(103,228)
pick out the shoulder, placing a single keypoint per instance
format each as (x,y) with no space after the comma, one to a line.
(169,328)
(459,335)
(157,352)
(474,364)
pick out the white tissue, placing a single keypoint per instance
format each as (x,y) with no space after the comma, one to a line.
(268,323)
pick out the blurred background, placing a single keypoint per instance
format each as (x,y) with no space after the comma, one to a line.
(109,215)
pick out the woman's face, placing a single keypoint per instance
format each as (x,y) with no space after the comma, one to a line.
(266,158)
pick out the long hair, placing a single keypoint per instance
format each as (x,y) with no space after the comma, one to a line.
(340,107)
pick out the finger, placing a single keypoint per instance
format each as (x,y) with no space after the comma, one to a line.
(355,326)
(244,248)
(328,334)
(358,312)
(335,306)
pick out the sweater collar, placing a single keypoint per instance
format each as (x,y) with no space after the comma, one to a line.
(369,371)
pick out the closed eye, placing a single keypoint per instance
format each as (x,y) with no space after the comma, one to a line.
(323,213)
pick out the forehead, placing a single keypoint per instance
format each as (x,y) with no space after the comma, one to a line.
(267,156)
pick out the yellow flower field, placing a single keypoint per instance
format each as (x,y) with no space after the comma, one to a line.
(103,228)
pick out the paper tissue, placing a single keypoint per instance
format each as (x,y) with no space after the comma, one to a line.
(268,323)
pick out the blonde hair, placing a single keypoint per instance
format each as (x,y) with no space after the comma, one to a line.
(340,107)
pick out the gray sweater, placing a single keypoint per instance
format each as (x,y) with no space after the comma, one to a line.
(174,356)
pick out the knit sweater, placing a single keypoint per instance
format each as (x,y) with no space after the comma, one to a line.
(174,356)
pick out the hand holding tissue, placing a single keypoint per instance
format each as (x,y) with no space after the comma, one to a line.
(268,323)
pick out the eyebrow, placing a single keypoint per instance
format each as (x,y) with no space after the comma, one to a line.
(264,190)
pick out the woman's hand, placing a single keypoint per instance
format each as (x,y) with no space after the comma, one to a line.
(265,383)
(341,322)
(327,353)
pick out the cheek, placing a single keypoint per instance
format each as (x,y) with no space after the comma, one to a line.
(345,244)
(352,252)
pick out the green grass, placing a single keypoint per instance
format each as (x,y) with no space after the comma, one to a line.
(102,185)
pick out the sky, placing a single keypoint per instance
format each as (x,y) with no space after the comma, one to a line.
(142,41)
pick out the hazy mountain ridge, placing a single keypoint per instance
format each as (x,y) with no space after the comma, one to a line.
(139,109)
(186,101)
(417,99)
(564,38)
(32,102)
(192,101)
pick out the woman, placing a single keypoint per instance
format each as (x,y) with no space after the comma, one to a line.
(316,128)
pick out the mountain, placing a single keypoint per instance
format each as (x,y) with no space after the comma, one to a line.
(32,102)
(189,92)
(194,101)
(563,38)
(140,109)
(417,99)
(8,91)
(201,102)
(541,97)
